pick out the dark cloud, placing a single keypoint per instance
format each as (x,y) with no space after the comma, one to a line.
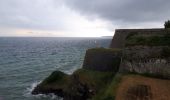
(32,14)
(124,11)
(70,16)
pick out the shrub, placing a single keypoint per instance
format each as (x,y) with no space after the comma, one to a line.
(167,24)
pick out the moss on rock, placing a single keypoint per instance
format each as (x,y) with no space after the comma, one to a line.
(56,76)
(81,85)
(87,83)
(52,84)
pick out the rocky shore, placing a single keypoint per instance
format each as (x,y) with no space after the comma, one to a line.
(139,52)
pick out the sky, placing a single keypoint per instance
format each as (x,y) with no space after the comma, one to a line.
(79,18)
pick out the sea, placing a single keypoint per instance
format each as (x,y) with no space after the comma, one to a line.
(26,61)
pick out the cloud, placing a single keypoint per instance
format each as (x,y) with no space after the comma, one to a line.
(41,17)
(124,11)
(32,14)
(79,17)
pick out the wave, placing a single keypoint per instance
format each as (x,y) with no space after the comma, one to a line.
(50,96)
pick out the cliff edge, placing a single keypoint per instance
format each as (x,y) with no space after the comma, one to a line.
(137,63)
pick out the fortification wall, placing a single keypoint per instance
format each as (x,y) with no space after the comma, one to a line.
(145,59)
(118,40)
(101,59)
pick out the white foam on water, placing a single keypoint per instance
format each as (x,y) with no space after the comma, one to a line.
(50,96)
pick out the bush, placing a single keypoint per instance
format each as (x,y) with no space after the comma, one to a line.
(167,24)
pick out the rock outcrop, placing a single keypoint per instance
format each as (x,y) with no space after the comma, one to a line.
(49,84)
(81,85)
(141,51)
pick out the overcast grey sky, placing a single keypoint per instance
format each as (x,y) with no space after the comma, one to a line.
(79,18)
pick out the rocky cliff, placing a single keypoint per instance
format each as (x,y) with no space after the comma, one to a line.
(99,67)
(140,51)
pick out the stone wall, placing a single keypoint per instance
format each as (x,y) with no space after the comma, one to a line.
(118,40)
(100,59)
(146,60)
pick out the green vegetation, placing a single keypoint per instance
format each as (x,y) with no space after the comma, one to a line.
(72,84)
(56,77)
(158,76)
(131,34)
(148,40)
(167,24)
(103,83)
(109,91)
(95,79)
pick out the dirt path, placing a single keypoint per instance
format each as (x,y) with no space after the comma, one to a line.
(135,87)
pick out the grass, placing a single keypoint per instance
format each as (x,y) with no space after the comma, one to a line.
(154,40)
(105,84)
(160,89)
(57,77)
(148,75)
(131,35)
(96,78)
(91,80)
(112,89)
(99,81)
(109,91)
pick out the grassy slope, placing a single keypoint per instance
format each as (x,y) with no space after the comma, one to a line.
(107,86)
(95,79)
(116,89)
(109,91)
(105,83)
(160,88)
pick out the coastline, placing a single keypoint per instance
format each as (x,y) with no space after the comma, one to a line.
(103,68)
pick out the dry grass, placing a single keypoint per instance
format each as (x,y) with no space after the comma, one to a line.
(160,89)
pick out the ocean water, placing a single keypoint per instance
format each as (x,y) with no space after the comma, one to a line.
(24,62)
